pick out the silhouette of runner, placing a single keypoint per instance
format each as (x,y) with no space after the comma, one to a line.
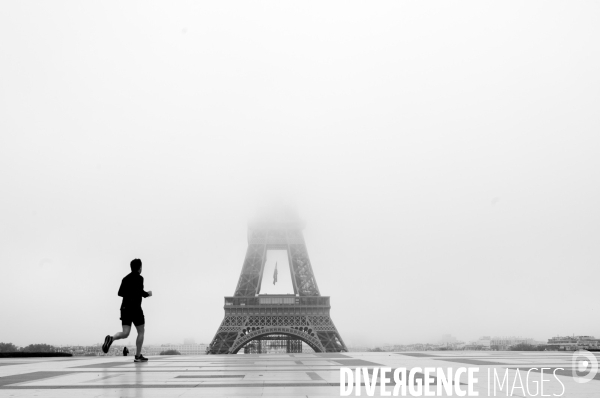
(132,291)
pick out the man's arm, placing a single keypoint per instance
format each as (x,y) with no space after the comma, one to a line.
(122,288)
(144,293)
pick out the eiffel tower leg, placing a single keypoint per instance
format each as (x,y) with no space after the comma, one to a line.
(227,334)
(327,334)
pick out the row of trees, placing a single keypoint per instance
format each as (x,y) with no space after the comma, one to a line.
(10,347)
(527,347)
(170,352)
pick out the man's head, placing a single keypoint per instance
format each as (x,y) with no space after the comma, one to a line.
(136,265)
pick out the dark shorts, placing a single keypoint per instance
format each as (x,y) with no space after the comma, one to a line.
(135,316)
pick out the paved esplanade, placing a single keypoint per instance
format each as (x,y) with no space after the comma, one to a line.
(284,375)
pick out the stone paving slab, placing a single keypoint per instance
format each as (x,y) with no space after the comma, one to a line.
(283,375)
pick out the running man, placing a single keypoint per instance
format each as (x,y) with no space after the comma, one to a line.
(132,291)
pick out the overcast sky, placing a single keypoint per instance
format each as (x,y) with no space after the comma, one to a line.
(444,155)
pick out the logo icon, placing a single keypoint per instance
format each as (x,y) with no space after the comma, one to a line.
(584,366)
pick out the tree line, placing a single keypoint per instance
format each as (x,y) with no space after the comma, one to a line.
(10,347)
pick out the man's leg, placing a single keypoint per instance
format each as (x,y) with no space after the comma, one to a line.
(140,339)
(124,334)
(108,340)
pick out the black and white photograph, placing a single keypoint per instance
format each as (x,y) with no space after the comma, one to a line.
(299,199)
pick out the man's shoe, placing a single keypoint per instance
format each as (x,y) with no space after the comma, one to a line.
(108,340)
(140,358)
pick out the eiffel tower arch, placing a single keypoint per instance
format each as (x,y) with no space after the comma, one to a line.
(251,317)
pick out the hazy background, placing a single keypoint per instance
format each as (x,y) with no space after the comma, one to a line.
(444,155)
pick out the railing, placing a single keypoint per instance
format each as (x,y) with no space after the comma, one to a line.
(271,300)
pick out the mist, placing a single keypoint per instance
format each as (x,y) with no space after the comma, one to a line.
(443,156)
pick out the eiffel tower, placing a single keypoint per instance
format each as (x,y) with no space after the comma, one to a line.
(253,318)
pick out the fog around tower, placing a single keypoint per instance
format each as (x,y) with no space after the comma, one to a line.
(444,159)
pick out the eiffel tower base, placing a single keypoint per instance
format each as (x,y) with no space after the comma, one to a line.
(304,318)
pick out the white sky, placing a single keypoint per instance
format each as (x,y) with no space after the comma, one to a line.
(444,155)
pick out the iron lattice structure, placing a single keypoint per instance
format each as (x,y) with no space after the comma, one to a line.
(274,343)
(250,317)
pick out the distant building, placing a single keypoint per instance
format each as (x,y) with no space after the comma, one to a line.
(448,339)
(573,343)
(449,342)
(358,348)
(504,343)
(391,347)
(482,344)
(183,349)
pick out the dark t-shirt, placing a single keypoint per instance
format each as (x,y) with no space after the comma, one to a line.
(132,291)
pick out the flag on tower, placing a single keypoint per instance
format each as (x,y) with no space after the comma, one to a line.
(275,274)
